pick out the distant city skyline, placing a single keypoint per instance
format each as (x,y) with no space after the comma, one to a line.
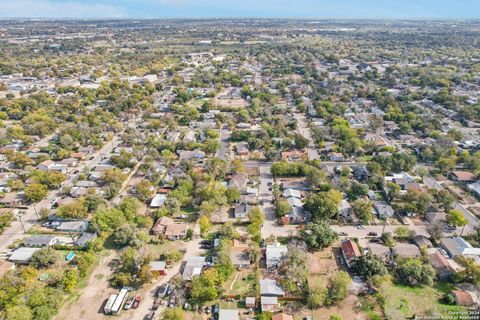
(363,9)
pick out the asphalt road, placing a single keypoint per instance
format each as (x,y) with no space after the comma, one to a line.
(222,150)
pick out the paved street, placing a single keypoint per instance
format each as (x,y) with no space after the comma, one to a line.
(223,149)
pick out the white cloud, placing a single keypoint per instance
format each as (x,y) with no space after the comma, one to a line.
(52,9)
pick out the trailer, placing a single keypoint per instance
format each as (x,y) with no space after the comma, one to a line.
(119,301)
(108,306)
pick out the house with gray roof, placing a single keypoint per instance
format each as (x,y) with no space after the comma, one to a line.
(41,240)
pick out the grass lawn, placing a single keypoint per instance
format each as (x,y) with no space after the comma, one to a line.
(197,103)
(404,301)
(243,284)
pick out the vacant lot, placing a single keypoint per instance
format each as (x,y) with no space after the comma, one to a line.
(403,301)
(240,283)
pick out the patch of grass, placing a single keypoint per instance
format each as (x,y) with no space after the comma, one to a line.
(406,301)
(243,285)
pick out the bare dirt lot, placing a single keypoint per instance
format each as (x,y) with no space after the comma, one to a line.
(88,303)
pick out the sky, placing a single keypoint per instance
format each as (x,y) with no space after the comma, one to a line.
(391,9)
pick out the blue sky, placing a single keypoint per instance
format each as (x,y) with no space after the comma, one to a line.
(240,8)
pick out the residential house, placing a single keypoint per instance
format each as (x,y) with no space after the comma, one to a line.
(441,264)
(379,250)
(250,302)
(269,304)
(242,211)
(193,266)
(189,137)
(345,210)
(465,298)
(275,254)
(383,209)
(462,176)
(287,193)
(422,241)
(336,156)
(457,246)
(158,200)
(294,155)
(188,155)
(239,182)
(46,165)
(176,231)
(160,225)
(361,173)
(295,202)
(242,150)
(270,288)
(22,255)
(13,200)
(41,240)
(85,239)
(406,250)
(73,226)
(475,188)
(350,251)
(239,255)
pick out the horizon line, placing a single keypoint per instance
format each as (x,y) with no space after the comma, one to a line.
(250,18)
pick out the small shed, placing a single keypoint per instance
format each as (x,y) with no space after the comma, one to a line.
(158,267)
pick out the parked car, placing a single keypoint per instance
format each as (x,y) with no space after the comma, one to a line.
(162,290)
(150,316)
(372,234)
(128,304)
(215,309)
(157,303)
(171,302)
(136,302)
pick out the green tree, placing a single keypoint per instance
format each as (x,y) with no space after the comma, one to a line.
(470,272)
(174,314)
(318,235)
(282,207)
(323,205)
(203,288)
(70,280)
(414,272)
(456,218)
(205,225)
(44,258)
(19,312)
(363,210)
(144,190)
(338,287)
(369,265)
(35,192)
(126,235)
(75,210)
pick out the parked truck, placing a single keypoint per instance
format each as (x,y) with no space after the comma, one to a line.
(108,306)
(118,304)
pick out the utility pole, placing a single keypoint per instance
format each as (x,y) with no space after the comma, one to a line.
(21,223)
(36,212)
